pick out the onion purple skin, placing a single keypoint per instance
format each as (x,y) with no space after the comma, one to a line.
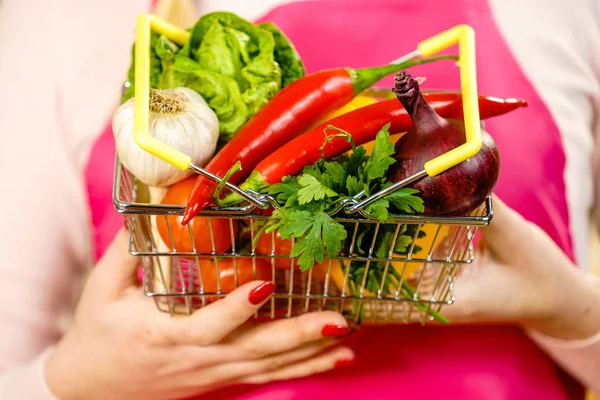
(457,191)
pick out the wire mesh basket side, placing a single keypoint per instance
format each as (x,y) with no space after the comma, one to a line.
(180,270)
(183,291)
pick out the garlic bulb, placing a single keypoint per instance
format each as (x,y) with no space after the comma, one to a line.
(181,119)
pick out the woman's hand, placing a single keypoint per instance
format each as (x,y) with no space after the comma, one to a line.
(521,276)
(121,347)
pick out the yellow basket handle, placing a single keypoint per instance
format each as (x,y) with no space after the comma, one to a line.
(145,23)
(465,36)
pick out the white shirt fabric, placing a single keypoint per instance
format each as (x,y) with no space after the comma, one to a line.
(61,64)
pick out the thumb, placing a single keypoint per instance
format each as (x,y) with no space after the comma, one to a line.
(507,233)
(116,270)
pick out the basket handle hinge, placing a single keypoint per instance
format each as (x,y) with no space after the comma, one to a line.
(257,200)
(354,205)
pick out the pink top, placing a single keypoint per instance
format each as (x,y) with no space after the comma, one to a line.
(409,361)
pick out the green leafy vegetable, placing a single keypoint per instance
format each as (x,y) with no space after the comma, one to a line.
(380,160)
(404,199)
(223,95)
(312,189)
(286,55)
(402,243)
(317,235)
(379,209)
(166,51)
(219,52)
(286,191)
(308,200)
(155,68)
(235,65)
(352,186)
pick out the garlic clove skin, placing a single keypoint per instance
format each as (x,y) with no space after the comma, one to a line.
(180,118)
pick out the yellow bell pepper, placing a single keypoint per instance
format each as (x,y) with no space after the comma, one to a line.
(356,103)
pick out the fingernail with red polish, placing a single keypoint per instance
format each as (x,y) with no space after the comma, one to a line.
(335,330)
(261,292)
(344,362)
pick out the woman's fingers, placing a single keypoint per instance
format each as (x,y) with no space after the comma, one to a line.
(235,371)
(211,324)
(337,357)
(263,340)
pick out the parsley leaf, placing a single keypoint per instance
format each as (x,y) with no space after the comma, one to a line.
(309,249)
(295,223)
(335,174)
(318,234)
(283,191)
(405,200)
(312,189)
(380,159)
(311,196)
(334,235)
(379,209)
(352,186)
(354,166)
(402,243)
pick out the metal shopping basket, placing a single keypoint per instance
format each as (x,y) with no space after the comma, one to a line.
(413,284)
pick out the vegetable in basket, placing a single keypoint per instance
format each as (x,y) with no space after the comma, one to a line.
(200,227)
(235,65)
(356,103)
(290,113)
(363,125)
(227,268)
(272,243)
(308,200)
(178,117)
(460,189)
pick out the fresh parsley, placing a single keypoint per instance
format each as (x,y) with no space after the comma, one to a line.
(310,198)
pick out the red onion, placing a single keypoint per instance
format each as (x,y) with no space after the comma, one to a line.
(458,190)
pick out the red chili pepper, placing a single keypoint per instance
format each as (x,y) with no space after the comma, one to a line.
(290,113)
(363,125)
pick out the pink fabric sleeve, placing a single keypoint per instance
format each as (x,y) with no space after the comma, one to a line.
(27,381)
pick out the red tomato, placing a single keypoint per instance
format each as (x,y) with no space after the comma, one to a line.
(245,273)
(178,194)
(284,247)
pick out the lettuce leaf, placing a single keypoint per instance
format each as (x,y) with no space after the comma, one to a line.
(260,78)
(287,57)
(155,69)
(166,50)
(222,94)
